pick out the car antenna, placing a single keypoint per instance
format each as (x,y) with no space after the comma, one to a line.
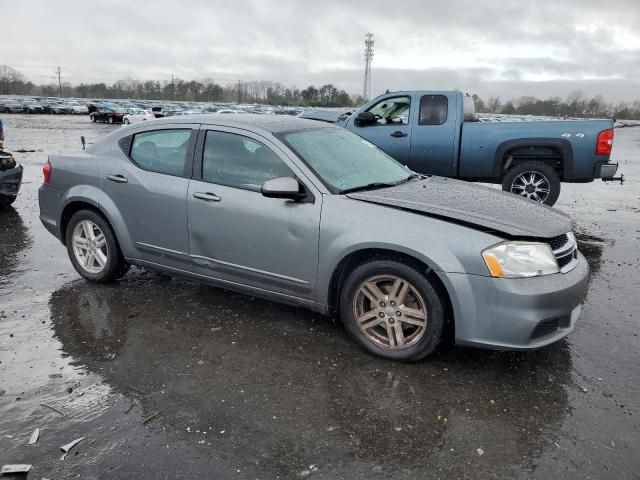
(83,141)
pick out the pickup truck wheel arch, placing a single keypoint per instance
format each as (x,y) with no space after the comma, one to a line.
(502,161)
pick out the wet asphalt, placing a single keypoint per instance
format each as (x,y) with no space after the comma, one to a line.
(167,378)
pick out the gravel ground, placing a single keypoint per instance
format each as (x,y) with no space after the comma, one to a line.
(167,378)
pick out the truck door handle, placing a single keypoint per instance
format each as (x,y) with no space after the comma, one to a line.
(117,178)
(399,134)
(207,196)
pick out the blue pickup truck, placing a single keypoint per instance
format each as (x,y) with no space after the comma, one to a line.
(438,133)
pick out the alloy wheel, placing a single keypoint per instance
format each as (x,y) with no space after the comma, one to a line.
(390,312)
(90,246)
(531,185)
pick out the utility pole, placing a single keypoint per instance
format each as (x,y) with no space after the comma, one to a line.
(368,58)
(58,72)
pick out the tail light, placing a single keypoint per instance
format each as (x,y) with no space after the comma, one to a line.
(604,143)
(47,169)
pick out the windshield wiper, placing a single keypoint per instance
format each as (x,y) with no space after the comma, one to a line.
(376,185)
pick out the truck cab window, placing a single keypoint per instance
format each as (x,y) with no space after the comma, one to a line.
(392,111)
(433,109)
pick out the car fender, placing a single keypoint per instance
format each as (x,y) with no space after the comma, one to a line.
(95,197)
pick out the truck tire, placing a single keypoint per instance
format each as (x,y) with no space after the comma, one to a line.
(392,310)
(537,181)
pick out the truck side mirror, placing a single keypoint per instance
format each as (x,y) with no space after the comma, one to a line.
(365,118)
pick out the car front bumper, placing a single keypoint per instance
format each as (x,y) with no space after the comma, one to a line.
(10,181)
(517,314)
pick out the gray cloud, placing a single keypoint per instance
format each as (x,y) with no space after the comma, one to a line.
(505,47)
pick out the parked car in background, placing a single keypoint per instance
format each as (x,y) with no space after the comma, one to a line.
(32,106)
(10,179)
(108,114)
(135,115)
(77,108)
(12,106)
(437,133)
(310,214)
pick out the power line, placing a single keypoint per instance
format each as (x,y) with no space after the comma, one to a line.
(368,58)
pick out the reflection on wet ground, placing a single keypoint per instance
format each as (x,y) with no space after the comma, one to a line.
(172,379)
(282,387)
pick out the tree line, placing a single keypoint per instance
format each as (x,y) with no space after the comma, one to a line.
(577,104)
(207,90)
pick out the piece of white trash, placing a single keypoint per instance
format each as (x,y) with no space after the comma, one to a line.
(15,468)
(70,445)
(34,437)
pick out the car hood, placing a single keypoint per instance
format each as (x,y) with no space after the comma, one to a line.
(475,205)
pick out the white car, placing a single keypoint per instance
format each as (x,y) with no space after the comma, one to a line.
(78,108)
(136,115)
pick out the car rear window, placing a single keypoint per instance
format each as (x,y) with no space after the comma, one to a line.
(162,151)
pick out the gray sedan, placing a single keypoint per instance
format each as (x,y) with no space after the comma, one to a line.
(310,214)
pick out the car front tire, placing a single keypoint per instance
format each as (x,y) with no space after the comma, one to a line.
(6,200)
(392,310)
(93,248)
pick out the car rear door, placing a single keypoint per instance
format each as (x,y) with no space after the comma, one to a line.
(433,136)
(235,233)
(150,190)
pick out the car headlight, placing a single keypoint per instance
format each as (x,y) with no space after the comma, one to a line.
(520,259)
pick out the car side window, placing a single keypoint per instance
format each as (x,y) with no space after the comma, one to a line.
(241,162)
(433,109)
(392,111)
(162,151)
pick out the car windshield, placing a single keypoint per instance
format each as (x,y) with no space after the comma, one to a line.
(344,161)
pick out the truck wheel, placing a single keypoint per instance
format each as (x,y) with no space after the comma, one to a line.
(534,180)
(392,310)
(93,248)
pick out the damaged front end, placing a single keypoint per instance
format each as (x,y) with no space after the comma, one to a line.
(10,178)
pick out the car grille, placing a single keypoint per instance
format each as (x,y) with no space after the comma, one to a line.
(545,327)
(565,249)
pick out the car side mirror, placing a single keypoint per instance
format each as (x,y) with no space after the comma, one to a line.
(282,187)
(365,118)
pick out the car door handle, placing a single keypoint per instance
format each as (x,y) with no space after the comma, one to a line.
(399,134)
(117,178)
(207,196)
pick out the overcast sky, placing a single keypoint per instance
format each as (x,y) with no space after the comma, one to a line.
(503,47)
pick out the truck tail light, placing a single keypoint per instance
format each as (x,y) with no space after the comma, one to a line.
(47,169)
(604,143)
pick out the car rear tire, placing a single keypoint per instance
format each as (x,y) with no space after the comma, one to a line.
(6,200)
(93,118)
(126,121)
(111,121)
(392,310)
(93,248)
(537,181)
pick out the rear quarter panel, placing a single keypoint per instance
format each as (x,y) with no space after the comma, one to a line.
(481,152)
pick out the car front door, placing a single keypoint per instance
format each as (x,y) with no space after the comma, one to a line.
(150,191)
(433,137)
(235,233)
(391,131)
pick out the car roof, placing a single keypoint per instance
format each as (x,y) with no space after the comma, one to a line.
(269,123)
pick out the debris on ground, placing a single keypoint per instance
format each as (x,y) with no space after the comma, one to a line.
(34,437)
(480,451)
(151,417)
(70,445)
(52,408)
(15,468)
